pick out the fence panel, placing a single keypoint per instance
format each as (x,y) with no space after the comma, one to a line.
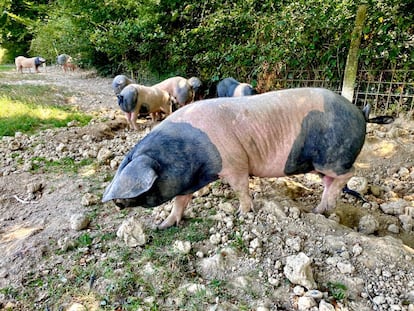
(386,90)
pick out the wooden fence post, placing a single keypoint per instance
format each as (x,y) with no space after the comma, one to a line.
(352,59)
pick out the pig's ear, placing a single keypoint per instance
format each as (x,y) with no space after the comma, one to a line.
(134,179)
(120,99)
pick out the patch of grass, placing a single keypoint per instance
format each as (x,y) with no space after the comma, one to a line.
(67,165)
(29,108)
(85,240)
(6,67)
(9,292)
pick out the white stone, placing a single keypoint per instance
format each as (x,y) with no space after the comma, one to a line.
(182,247)
(345,267)
(357,250)
(394,207)
(216,266)
(215,238)
(76,307)
(79,221)
(305,303)
(298,290)
(325,306)
(358,184)
(132,233)
(393,228)
(368,224)
(104,155)
(314,293)
(298,270)
(89,199)
(294,243)
(379,300)
(255,243)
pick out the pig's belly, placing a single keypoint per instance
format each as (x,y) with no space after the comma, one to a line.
(253,166)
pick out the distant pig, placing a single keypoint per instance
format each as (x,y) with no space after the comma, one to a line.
(119,82)
(135,99)
(24,62)
(230,87)
(179,88)
(275,134)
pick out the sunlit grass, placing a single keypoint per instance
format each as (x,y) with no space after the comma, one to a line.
(28,108)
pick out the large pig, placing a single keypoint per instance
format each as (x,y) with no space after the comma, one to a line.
(179,88)
(230,87)
(275,134)
(24,62)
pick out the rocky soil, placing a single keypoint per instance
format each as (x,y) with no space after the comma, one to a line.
(281,257)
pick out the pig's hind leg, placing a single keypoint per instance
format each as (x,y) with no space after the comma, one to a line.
(333,185)
(180,203)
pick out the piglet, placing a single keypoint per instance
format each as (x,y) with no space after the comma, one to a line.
(274,134)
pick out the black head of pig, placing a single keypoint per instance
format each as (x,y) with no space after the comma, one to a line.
(127,99)
(173,159)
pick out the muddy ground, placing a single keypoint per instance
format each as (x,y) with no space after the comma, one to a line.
(367,247)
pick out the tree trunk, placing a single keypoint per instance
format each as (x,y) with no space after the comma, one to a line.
(352,59)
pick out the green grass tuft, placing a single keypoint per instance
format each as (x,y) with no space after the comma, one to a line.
(29,108)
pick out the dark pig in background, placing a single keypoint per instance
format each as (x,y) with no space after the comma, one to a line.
(230,87)
(274,134)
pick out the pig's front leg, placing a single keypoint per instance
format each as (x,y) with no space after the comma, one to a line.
(134,117)
(240,184)
(180,203)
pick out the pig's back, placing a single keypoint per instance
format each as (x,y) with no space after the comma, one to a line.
(267,133)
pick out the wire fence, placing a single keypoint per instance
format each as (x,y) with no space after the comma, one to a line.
(390,91)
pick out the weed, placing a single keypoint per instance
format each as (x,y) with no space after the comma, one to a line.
(9,292)
(84,240)
(337,290)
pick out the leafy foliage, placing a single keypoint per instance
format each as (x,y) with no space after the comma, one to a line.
(212,39)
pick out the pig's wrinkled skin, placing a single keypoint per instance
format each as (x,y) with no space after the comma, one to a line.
(230,87)
(179,88)
(136,98)
(119,82)
(270,135)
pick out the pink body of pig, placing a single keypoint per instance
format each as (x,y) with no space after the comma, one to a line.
(274,134)
(179,88)
(256,135)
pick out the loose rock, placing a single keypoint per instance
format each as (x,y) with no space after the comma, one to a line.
(298,270)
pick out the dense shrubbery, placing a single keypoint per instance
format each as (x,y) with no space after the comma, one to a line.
(211,39)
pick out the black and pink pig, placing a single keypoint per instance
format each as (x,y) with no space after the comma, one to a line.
(274,134)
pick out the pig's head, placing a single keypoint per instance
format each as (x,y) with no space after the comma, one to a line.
(127,99)
(173,159)
(135,177)
(39,60)
(119,82)
(173,103)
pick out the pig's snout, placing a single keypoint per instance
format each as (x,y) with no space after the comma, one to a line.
(120,203)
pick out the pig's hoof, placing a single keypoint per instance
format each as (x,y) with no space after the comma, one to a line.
(169,222)
(319,210)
